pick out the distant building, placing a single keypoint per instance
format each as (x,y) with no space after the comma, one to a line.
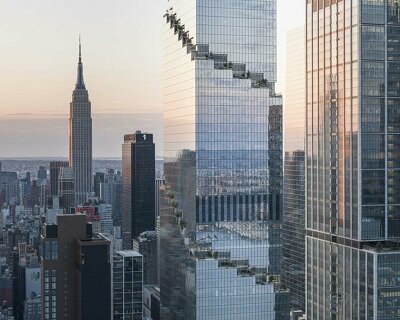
(92,216)
(76,281)
(98,179)
(9,186)
(54,174)
(146,245)
(66,188)
(35,194)
(106,221)
(151,302)
(53,208)
(42,175)
(110,190)
(32,308)
(80,138)
(127,285)
(159,182)
(6,288)
(138,186)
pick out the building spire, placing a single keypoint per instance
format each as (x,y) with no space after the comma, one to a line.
(79,82)
(80,55)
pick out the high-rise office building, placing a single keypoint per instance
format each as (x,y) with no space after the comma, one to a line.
(127,285)
(9,186)
(146,245)
(221,209)
(138,186)
(76,271)
(98,179)
(54,174)
(352,159)
(66,188)
(80,137)
(293,246)
(42,175)
(110,191)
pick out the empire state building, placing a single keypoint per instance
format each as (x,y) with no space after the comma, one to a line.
(80,137)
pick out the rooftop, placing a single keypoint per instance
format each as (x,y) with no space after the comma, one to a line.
(129,253)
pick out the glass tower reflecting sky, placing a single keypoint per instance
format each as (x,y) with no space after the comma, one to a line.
(352,159)
(221,213)
(293,246)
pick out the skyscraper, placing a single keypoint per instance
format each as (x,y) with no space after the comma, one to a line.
(66,188)
(42,175)
(76,271)
(54,174)
(293,246)
(127,285)
(352,159)
(146,245)
(138,186)
(80,137)
(221,208)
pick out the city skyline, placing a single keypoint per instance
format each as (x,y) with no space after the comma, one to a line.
(124,81)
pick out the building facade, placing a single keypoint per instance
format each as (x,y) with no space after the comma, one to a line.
(138,186)
(66,189)
(352,159)
(76,271)
(54,174)
(293,246)
(159,183)
(80,137)
(221,210)
(146,245)
(127,285)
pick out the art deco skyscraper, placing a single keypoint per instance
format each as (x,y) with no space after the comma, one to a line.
(352,159)
(221,209)
(80,137)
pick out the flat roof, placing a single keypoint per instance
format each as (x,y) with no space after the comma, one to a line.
(129,253)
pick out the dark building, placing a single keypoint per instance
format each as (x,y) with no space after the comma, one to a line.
(146,245)
(76,271)
(54,173)
(138,186)
(35,194)
(42,174)
(98,179)
(151,302)
(9,186)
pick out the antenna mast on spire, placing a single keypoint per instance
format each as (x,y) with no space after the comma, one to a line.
(80,56)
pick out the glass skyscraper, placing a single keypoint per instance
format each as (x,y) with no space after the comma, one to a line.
(353,159)
(293,246)
(221,205)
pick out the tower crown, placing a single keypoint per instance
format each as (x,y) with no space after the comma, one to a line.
(80,83)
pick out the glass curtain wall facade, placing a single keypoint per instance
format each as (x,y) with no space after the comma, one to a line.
(352,159)
(221,205)
(293,246)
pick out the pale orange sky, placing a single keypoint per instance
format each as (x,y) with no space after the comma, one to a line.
(122,56)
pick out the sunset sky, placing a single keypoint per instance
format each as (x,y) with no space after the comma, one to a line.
(122,57)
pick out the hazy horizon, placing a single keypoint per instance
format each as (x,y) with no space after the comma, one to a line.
(122,58)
